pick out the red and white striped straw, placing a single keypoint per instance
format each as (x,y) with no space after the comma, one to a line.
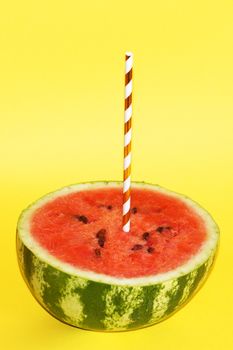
(127,140)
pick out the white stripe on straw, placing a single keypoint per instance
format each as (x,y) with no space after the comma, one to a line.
(128,113)
(128,137)
(129,61)
(127,162)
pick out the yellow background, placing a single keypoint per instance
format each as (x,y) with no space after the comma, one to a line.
(61,110)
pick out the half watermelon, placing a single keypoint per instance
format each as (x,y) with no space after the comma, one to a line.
(84,270)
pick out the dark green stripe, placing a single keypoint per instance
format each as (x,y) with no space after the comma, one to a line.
(174,298)
(94,305)
(143,313)
(119,301)
(28,267)
(53,290)
(54,282)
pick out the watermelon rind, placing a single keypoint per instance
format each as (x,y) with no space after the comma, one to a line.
(95,301)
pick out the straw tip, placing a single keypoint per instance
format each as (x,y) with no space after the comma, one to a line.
(129,54)
(126,227)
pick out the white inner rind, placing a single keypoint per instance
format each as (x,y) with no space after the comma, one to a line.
(206,250)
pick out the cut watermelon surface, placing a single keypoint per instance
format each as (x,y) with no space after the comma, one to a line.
(86,271)
(85,229)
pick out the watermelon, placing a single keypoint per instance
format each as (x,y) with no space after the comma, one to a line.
(85,271)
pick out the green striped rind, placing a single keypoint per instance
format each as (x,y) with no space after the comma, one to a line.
(99,302)
(102,306)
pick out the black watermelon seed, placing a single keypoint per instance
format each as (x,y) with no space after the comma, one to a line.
(137,247)
(150,250)
(145,236)
(101,235)
(160,229)
(134,210)
(109,207)
(101,242)
(82,218)
(97,252)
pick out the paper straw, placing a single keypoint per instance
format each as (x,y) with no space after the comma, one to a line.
(127,140)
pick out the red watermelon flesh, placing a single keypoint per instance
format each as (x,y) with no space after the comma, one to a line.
(84,229)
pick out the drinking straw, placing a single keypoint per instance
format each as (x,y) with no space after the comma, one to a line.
(127,140)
